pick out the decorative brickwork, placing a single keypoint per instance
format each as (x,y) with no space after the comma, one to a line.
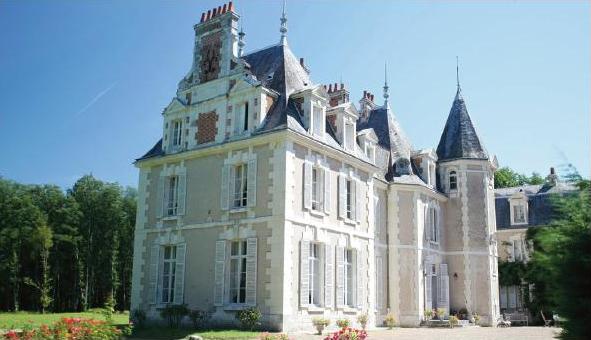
(210,56)
(206,127)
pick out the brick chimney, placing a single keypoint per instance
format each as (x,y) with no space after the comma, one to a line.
(337,94)
(366,104)
(552,178)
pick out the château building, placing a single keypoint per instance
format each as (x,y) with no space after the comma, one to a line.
(269,190)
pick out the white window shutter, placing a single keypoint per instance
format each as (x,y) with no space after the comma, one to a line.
(252,182)
(153,278)
(251,271)
(328,276)
(380,279)
(361,276)
(342,196)
(304,273)
(165,196)
(181,194)
(340,276)
(443,295)
(160,208)
(220,263)
(428,292)
(512,297)
(307,185)
(503,296)
(179,280)
(517,247)
(225,196)
(427,224)
(359,201)
(326,182)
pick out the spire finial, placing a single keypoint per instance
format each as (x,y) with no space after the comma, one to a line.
(386,95)
(283,28)
(241,43)
(458,72)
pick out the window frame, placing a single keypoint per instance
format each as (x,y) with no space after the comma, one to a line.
(177,133)
(314,274)
(238,278)
(349,277)
(170,280)
(317,120)
(350,200)
(172,205)
(240,190)
(452,180)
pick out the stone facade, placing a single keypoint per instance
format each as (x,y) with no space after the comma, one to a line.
(272,192)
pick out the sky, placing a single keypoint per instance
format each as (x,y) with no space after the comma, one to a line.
(83,83)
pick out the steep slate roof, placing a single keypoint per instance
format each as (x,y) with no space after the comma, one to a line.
(156,150)
(390,135)
(459,138)
(540,208)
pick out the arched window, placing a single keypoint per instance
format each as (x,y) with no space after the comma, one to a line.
(453,180)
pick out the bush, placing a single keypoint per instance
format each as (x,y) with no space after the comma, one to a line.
(138,317)
(453,321)
(440,313)
(428,314)
(362,319)
(249,318)
(70,328)
(199,318)
(174,314)
(320,323)
(390,321)
(348,334)
(108,309)
(343,323)
(463,314)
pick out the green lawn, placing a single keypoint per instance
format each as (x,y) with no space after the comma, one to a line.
(168,333)
(20,319)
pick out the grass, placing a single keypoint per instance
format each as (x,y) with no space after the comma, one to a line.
(170,333)
(20,319)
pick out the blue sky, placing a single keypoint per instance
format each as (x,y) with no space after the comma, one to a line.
(83,84)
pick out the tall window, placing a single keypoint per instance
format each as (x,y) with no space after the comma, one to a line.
(238,253)
(314,274)
(453,180)
(518,250)
(518,213)
(240,185)
(172,203)
(245,126)
(168,274)
(349,136)
(177,133)
(316,186)
(350,197)
(349,277)
(431,225)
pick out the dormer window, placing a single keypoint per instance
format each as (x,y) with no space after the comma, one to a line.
(317,121)
(370,152)
(349,136)
(176,134)
(242,118)
(188,98)
(518,210)
(453,180)
(245,122)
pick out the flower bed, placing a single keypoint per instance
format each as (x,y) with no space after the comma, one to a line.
(347,333)
(70,328)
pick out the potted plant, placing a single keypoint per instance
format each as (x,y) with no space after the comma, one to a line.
(343,323)
(428,314)
(362,319)
(390,321)
(440,313)
(453,321)
(476,318)
(463,314)
(320,323)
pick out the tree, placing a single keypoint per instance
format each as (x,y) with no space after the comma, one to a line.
(506,177)
(561,262)
(43,240)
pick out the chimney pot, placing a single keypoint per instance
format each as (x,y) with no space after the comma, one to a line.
(224,8)
(552,172)
(364,94)
(372,97)
(324,87)
(335,86)
(302,61)
(342,86)
(230,6)
(329,88)
(215,11)
(219,10)
(208,15)
(202,17)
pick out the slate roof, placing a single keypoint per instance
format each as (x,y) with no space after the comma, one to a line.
(540,208)
(459,138)
(391,137)
(155,151)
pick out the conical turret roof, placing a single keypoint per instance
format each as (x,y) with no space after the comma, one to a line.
(459,138)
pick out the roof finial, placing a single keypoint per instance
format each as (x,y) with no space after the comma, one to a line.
(458,72)
(283,28)
(386,95)
(241,43)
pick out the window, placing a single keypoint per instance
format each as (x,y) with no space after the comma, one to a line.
(316,186)
(240,185)
(519,214)
(168,274)
(245,125)
(238,255)
(431,225)
(172,202)
(177,133)
(314,274)
(453,181)
(510,297)
(518,250)
(188,97)
(317,121)
(349,277)
(350,198)
(349,136)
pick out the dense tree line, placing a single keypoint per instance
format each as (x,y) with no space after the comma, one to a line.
(506,177)
(65,251)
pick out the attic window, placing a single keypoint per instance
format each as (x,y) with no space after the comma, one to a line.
(453,180)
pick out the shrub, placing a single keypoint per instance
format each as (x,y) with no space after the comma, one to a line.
(108,309)
(453,321)
(249,318)
(463,314)
(476,318)
(347,333)
(138,316)
(440,313)
(343,323)
(362,319)
(174,314)
(199,318)
(428,314)
(390,321)
(69,328)
(320,323)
